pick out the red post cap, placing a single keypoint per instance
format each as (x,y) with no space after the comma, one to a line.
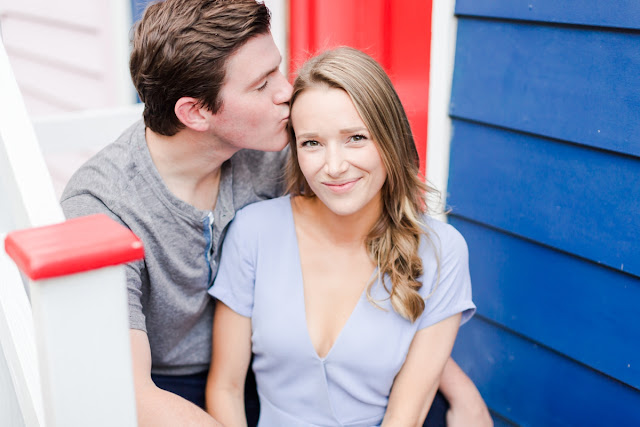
(77,245)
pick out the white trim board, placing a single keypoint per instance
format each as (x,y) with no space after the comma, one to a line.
(443,44)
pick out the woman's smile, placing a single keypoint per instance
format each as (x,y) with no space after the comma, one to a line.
(341,187)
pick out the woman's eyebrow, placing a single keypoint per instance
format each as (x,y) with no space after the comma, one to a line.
(354,129)
(307,135)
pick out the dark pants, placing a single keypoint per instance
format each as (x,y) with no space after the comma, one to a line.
(437,414)
(191,387)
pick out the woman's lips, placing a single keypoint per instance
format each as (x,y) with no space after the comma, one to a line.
(341,186)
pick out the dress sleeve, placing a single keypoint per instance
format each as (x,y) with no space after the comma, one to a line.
(451,291)
(235,281)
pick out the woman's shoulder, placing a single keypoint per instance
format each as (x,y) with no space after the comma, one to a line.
(444,237)
(265,211)
(441,229)
(446,280)
(258,220)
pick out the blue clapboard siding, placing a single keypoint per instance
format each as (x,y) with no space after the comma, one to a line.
(574,306)
(545,186)
(533,386)
(575,84)
(137,8)
(499,421)
(610,13)
(578,200)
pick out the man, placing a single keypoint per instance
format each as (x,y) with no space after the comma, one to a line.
(208,73)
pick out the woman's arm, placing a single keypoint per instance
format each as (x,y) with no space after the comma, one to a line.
(466,405)
(230,357)
(418,380)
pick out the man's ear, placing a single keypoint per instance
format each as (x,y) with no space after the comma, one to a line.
(192,114)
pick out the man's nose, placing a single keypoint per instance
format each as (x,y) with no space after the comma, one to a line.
(285,90)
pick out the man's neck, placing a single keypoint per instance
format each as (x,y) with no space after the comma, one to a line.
(189,165)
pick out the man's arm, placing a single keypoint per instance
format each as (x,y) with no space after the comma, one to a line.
(466,405)
(416,384)
(157,407)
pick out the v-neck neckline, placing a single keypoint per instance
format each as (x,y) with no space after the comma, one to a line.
(300,290)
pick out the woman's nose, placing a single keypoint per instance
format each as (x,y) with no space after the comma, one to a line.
(335,161)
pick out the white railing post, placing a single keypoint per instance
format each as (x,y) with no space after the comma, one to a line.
(75,328)
(443,46)
(17,343)
(23,169)
(79,302)
(26,199)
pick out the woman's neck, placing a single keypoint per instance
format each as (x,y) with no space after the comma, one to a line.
(340,229)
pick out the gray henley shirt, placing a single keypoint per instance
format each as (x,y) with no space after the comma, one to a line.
(168,289)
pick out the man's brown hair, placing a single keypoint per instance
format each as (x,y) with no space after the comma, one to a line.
(180,48)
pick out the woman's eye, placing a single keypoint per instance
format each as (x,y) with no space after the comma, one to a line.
(357,138)
(309,143)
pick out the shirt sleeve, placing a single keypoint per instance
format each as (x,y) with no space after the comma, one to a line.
(235,282)
(86,204)
(450,292)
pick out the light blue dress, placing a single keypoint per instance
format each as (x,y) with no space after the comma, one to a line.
(260,277)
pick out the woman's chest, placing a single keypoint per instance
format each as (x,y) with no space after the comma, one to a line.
(368,338)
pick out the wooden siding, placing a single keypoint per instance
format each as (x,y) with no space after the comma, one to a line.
(615,14)
(572,305)
(574,84)
(69,55)
(572,198)
(531,385)
(544,185)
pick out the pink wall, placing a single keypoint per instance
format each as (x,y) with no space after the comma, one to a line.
(68,55)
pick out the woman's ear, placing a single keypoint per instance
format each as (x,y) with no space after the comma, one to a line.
(192,114)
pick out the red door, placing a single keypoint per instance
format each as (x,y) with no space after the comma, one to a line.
(396,33)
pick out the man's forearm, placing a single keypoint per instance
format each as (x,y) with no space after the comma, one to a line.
(157,408)
(455,385)
(467,408)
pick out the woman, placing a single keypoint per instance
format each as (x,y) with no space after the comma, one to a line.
(348,294)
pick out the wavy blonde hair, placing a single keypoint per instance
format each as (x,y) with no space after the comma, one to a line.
(394,239)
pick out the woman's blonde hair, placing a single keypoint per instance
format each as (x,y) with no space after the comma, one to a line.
(394,239)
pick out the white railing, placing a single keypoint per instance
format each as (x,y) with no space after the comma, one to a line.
(64,341)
